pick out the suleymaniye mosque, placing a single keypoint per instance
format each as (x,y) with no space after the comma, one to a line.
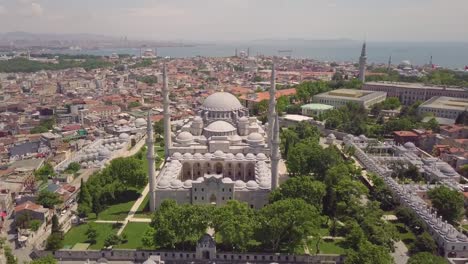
(219,155)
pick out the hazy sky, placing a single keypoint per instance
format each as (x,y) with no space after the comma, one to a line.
(380,20)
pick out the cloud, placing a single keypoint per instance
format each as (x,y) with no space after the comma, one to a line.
(155,11)
(36,9)
(30,8)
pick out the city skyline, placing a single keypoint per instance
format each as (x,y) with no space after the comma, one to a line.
(242,20)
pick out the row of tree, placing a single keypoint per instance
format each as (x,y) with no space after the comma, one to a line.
(110,185)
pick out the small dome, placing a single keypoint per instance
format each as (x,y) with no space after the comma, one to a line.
(197,119)
(188,184)
(250,156)
(261,156)
(239,184)
(218,154)
(175,184)
(226,180)
(221,101)
(104,152)
(239,156)
(362,137)
(198,156)
(251,185)
(208,156)
(331,136)
(188,156)
(163,184)
(409,145)
(140,122)
(124,136)
(255,138)
(184,137)
(176,156)
(121,122)
(265,185)
(229,156)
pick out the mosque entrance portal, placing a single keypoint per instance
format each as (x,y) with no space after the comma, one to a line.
(219,168)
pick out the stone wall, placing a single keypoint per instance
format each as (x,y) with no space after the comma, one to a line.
(140,256)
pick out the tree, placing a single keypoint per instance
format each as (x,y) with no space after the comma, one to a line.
(286,223)
(433,125)
(424,243)
(289,138)
(179,225)
(48,199)
(158,127)
(91,234)
(35,224)
(129,171)
(54,242)
(448,203)
(10,258)
(304,188)
(44,172)
(73,167)
(49,259)
(85,200)
(235,223)
(134,104)
(426,258)
(55,224)
(112,240)
(356,237)
(369,254)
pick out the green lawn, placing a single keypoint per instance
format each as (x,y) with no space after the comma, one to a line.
(134,232)
(119,210)
(405,234)
(326,246)
(77,234)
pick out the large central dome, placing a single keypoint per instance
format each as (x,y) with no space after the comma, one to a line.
(221,101)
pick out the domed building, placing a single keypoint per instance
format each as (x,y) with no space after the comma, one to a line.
(218,155)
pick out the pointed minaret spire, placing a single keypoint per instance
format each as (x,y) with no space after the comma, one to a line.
(150,158)
(272,104)
(275,154)
(430,61)
(362,63)
(389,63)
(167,114)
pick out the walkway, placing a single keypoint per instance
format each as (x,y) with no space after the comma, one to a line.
(134,208)
(400,256)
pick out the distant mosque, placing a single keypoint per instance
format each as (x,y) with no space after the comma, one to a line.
(219,155)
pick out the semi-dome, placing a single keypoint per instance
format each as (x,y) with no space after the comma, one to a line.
(221,101)
(255,137)
(220,127)
(184,137)
(140,122)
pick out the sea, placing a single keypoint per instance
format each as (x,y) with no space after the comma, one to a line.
(453,55)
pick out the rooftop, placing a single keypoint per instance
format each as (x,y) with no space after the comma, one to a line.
(445,102)
(317,107)
(415,86)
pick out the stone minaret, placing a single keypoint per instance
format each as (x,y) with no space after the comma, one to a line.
(275,154)
(151,163)
(362,64)
(167,114)
(272,105)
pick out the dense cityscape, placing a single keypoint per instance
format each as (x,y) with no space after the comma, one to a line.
(241,159)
